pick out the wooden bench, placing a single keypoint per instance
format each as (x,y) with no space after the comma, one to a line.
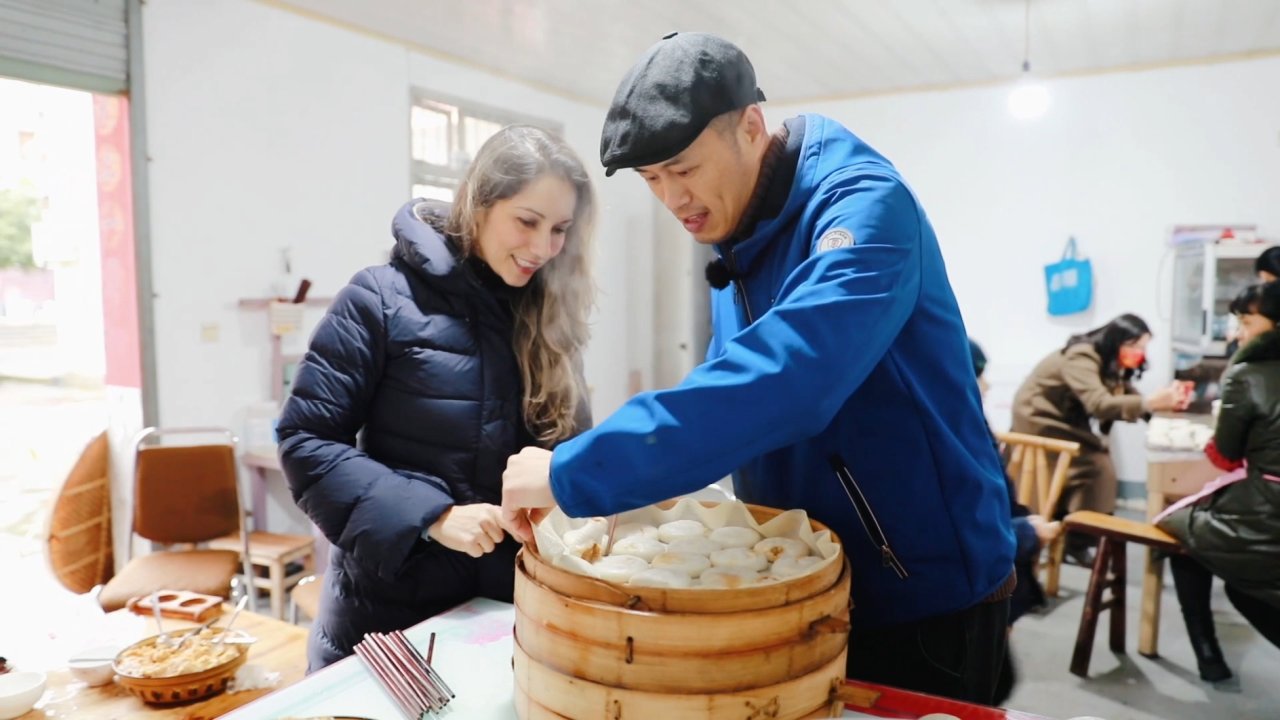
(1109,572)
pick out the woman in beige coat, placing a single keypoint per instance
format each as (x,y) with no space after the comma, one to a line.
(1091,379)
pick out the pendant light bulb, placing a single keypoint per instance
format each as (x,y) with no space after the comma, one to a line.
(1029,99)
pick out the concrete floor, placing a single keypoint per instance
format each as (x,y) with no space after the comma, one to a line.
(1130,686)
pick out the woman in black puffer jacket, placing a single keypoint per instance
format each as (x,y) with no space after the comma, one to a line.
(1232,528)
(427,374)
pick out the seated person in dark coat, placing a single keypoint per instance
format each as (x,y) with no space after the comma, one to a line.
(1231,529)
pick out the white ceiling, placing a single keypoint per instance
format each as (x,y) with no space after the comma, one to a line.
(808,49)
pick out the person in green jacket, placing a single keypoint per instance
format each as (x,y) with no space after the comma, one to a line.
(1232,528)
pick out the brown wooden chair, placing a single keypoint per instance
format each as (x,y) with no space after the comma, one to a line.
(78,536)
(1039,488)
(1109,573)
(185,494)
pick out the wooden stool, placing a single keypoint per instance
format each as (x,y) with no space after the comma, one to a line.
(1109,572)
(274,552)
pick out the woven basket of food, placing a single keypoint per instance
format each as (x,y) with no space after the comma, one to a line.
(179,670)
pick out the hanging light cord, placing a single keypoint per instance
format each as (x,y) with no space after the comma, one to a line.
(1026,39)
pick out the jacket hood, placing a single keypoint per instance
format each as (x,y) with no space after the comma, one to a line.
(421,243)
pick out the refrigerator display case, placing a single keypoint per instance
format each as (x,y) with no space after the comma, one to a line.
(1207,275)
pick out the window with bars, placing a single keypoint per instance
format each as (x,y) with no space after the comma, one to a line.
(446,134)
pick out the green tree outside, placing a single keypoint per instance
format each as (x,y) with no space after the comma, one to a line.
(18,211)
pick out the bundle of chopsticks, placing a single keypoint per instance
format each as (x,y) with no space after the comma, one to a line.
(406,676)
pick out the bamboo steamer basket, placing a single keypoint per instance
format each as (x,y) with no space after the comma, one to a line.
(586,648)
(541,692)
(683,600)
(667,652)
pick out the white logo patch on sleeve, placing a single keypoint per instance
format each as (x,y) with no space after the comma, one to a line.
(835,239)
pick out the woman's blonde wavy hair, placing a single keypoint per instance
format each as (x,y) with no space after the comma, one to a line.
(551,315)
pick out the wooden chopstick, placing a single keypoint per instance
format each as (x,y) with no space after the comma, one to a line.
(403,662)
(408,677)
(384,678)
(423,700)
(435,676)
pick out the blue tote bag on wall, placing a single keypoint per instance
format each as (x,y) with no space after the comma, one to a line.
(1069,282)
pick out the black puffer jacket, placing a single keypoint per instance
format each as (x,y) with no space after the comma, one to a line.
(407,402)
(415,356)
(1235,531)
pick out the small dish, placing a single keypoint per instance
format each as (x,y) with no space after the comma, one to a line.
(19,692)
(92,666)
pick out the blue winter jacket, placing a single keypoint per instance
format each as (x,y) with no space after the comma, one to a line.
(840,350)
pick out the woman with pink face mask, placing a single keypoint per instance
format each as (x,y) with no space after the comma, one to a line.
(1088,379)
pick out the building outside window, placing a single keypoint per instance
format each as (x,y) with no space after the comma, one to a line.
(446,134)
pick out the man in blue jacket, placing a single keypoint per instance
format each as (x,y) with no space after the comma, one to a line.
(838,378)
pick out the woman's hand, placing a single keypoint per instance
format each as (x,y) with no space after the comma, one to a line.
(1165,399)
(472,529)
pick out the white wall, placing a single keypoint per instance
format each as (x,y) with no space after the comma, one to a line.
(1118,160)
(268,129)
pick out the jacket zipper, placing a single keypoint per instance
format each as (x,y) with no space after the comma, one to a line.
(868,518)
(740,286)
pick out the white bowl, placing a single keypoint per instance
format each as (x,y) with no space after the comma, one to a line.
(19,692)
(92,666)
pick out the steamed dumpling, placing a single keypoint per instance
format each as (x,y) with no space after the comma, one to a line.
(661,578)
(788,567)
(591,531)
(587,541)
(723,577)
(626,530)
(733,536)
(619,568)
(676,529)
(639,546)
(739,559)
(688,563)
(778,547)
(696,545)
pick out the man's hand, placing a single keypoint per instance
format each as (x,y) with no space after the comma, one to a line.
(526,491)
(472,529)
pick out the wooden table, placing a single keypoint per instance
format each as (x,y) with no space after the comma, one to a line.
(1170,476)
(281,648)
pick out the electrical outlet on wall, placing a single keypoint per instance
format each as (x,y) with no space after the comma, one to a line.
(210,332)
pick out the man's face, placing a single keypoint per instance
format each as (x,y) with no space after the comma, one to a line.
(708,185)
